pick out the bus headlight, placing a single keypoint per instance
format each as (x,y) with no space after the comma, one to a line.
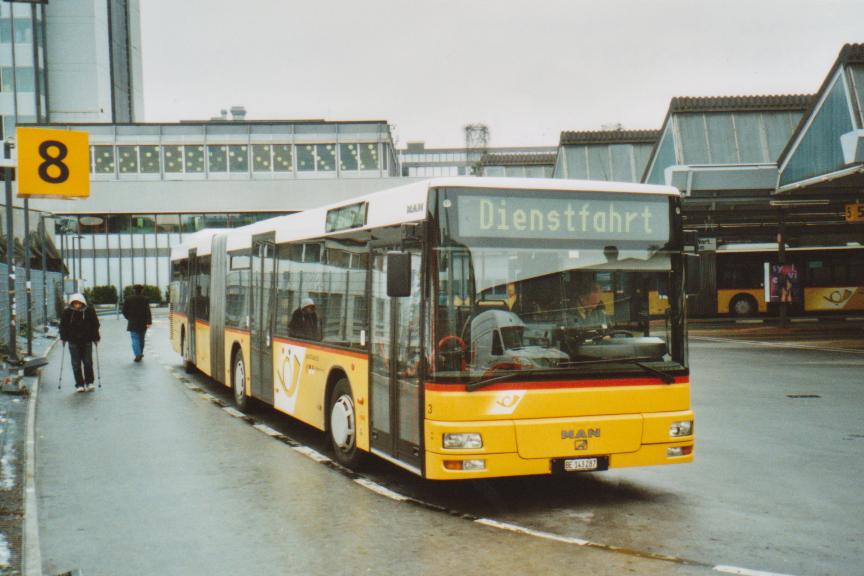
(681,428)
(463,441)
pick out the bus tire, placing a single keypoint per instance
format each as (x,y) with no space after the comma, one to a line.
(238,381)
(188,365)
(342,425)
(743,306)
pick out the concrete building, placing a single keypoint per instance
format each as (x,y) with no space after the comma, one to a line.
(94,61)
(153,183)
(417,161)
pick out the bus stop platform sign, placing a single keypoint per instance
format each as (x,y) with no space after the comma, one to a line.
(53,163)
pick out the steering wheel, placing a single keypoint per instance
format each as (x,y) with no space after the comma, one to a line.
(448,355)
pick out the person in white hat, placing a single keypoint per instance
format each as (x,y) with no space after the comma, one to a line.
(79,328)
(304,321)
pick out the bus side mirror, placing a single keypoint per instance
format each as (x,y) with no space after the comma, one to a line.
(398,274)
(692,274)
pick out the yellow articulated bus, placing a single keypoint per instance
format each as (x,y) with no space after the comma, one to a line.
(459,328)
(825,279)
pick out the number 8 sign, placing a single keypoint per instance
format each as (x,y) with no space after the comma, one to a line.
(53,163)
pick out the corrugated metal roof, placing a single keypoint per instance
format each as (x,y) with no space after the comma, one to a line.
(610,137)
(774,102)
(852,54)
(518,159)
(849,54)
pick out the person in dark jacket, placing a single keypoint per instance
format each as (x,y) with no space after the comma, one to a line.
(304,322)
(79,328)
(136,310)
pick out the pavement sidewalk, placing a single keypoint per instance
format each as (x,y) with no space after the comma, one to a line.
(15,458)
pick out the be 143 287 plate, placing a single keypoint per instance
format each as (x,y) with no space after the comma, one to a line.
(582,464)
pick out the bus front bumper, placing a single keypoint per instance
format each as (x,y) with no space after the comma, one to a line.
(554,445)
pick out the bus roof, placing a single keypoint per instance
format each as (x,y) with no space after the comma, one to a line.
(401,204)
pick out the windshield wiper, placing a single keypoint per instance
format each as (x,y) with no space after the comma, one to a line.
(665,376)
(637,361)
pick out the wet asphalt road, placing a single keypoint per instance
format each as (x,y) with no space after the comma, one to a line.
(148,477)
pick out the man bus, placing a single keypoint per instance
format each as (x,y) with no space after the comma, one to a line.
(452,338)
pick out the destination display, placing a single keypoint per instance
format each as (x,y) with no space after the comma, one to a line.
(586,217)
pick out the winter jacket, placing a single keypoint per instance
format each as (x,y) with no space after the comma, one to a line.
(136,310)
(79,326)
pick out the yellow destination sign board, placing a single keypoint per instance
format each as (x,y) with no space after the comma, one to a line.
(854,212)
(53,163)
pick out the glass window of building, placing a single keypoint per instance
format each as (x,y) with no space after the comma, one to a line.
(149,159)
(127,157)
(25,79)
(306,158)
(6,84)
(194,159)
(348,157)
(261,160)
(143,223)
(189,223)
(326,157)
(168,222)
(369,156)
(217,158)
(23,31)
(119,223)
(282,159)
(238,158)
(103,157)
(173,159)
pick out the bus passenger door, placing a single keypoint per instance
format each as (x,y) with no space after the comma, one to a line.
(192,299)
(261,320)
(394,365)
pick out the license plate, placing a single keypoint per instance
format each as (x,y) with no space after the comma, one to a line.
(580,464)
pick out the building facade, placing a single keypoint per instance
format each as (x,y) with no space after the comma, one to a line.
(151,184)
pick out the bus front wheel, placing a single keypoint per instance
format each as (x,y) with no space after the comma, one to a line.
(343,425)
(743,306)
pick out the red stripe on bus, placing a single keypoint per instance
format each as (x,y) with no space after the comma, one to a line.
(335,350)
(203,323)
(180,314)
(554,384)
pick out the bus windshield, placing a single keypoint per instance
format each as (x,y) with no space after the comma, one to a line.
(513,304)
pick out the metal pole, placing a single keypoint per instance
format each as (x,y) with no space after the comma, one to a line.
(44,272)
(12,348)
(80,261)
(28,288)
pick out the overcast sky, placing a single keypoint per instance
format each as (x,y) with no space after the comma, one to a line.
(526,69)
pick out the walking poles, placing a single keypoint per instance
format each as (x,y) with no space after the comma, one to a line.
(62,359)
(98,368)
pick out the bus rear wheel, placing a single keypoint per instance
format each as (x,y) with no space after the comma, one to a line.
(343,425)
(188,365)
(238,382)
(743,306)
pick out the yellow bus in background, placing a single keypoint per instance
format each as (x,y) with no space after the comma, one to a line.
(828,278)
(458,328)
